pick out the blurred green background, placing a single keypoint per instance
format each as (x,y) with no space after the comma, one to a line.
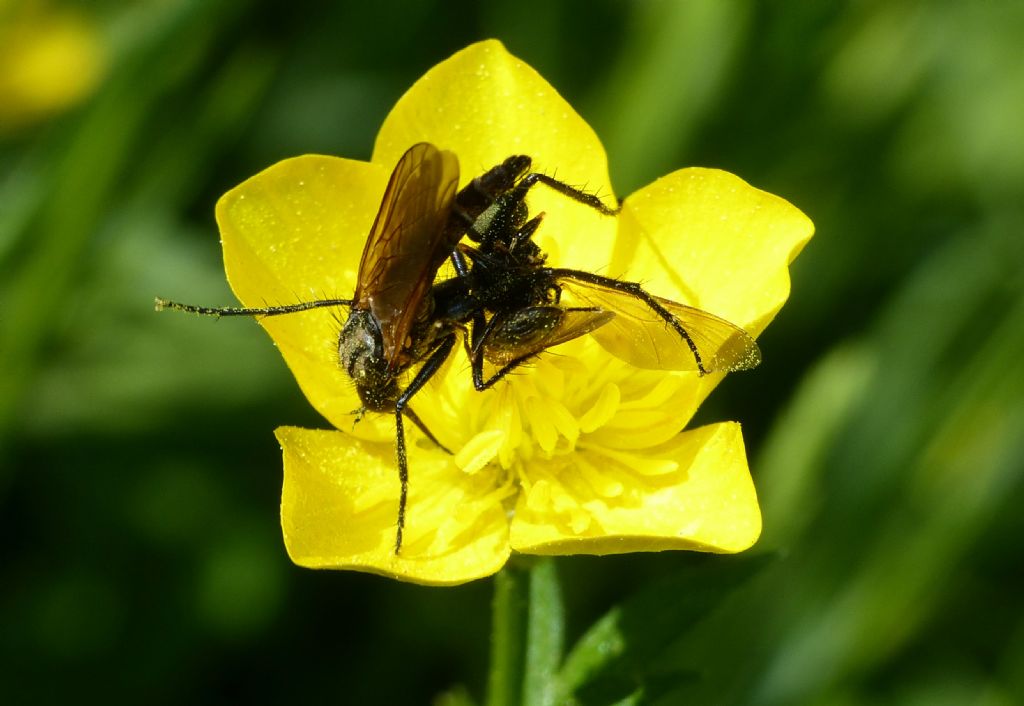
(139,477)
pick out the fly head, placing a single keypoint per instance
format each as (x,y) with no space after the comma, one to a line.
(361,355)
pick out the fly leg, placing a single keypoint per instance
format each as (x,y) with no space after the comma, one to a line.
(476,357)
(635,290)
(428,371)
(577,195)
(415,419)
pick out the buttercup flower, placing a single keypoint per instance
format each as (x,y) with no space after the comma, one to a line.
(50,58)
(577,452)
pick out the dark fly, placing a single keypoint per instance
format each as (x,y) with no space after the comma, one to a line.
(507,304)
(516,306)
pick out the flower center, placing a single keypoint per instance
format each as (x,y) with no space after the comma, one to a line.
(573,427)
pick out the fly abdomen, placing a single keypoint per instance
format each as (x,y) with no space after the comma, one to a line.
(523,329)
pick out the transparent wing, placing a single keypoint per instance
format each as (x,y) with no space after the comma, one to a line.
(642,336)
(528,331)
(407,243)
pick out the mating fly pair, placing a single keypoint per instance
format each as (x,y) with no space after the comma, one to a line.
(504,301)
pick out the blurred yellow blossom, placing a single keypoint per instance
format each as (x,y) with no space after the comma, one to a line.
(50,58)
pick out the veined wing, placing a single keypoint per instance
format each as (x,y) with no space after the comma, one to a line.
(642,336)
(407,244)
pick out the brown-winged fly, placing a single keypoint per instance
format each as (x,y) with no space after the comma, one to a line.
(504,301)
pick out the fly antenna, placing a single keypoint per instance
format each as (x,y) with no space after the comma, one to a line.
(218,312)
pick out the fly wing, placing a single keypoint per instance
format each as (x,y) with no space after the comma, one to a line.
(640,335)
(528,331)
(407,244)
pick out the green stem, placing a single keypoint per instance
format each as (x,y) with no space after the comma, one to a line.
(528,635)
(545,635)
(508,632)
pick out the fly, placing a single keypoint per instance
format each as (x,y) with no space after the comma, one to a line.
(521,307)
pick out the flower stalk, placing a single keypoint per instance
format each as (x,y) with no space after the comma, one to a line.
(527,635)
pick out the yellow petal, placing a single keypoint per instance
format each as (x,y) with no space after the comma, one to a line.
(707,238)
(708,504)
(485,105)
(339,509)
(479,451)
(293,233)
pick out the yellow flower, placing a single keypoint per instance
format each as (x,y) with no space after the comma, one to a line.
(577,453)
(50,58)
